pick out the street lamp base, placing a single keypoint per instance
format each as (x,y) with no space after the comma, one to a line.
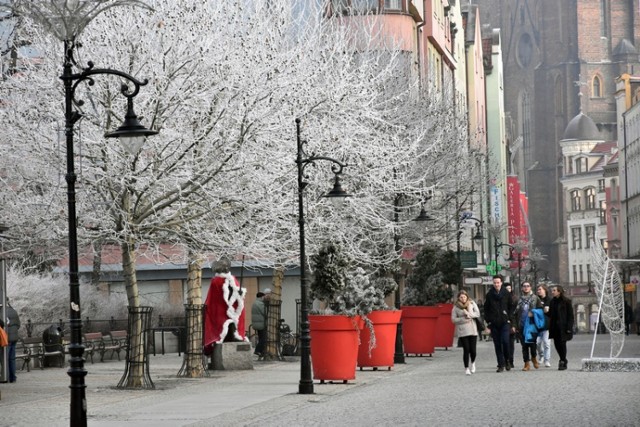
(305,387)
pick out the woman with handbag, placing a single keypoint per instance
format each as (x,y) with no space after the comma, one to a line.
(464,315)
(561,323)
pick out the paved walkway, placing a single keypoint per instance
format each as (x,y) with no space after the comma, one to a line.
(424,391)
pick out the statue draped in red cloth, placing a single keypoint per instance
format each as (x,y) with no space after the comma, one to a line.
(225,314)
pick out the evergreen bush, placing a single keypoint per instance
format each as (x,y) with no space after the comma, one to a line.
(434,270)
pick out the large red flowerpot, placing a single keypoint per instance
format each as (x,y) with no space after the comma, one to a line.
(445,329)
(419,329)
(334,346)
(385,323)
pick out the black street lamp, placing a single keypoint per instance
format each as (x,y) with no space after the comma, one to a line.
(476,237)
(132,135)
(66,19)
(496,247)
(519,259)
(336,195)
(423,216)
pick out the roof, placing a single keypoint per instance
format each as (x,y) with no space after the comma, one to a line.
(581,127)
(605,147)
(625,47)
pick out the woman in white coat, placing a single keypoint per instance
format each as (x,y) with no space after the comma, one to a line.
(463,315)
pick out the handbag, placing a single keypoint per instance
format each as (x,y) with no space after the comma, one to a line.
(4,339)
(479,325)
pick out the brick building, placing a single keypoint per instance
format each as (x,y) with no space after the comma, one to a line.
(560,59)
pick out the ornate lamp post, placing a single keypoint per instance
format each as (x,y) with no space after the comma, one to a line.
(497,244)
(337,196)
(423,216)
(66,19)
(132,135)
(466,216)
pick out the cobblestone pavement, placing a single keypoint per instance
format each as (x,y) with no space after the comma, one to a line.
(425,391)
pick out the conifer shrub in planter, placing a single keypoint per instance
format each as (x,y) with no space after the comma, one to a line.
(354,301)
(335,328)
(426,287)
(377,339)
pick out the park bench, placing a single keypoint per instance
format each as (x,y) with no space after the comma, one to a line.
(115,342)
(23,353)
(92,343)
(40,352)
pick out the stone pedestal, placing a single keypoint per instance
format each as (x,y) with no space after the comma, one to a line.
(597,364)
(232,356)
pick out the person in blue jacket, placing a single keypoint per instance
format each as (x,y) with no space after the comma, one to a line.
(524,316)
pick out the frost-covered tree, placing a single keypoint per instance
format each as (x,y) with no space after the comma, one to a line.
(226,81)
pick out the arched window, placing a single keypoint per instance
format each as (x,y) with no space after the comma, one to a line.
(575,201)
(596,88)
(590,198)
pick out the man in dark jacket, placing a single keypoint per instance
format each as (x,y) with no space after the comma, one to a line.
(498,313)
(11,326)
(259,320)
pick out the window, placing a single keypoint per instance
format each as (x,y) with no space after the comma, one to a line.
(601,186)
(589,274)
(581,165)
(354,6)
(596,91)
(590,234)
(602,213)
(575,201)
(590,196)
(392,4)
(580,270)
(604,18)
(364,6)
(576,238)
(575,275)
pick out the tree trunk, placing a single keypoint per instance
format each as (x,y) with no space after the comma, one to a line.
(137,351)
(193,363)
(194,278)
(273,321)
(97,262)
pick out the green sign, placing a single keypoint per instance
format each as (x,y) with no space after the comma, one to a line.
(493,268)
(468,259)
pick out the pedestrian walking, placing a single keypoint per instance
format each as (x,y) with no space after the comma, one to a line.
(637,318)
(259,320)
(11,327)
(513,336)
(524,318)
(561,323)
(464,314)
(628,317)
(543,343)
(498,313)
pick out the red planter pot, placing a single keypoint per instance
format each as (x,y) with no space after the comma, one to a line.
(334,346)
(445,329)
(419,329)
(385,323)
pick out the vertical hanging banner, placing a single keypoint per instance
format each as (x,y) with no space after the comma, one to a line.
(496,204)
(517,207)
(513,208)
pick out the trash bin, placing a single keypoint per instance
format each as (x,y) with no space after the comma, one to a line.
(52,341)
